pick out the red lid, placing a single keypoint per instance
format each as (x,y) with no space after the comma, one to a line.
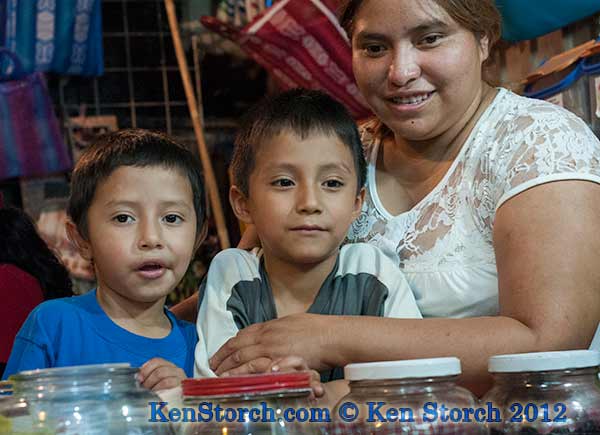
(246,384)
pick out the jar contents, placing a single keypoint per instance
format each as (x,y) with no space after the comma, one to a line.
(406,397)
(546,393)
(91,400)
(269,404)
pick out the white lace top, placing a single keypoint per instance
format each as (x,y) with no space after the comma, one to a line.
(444,244)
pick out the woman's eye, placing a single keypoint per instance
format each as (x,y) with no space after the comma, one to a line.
(122,218)
(283,182)
(374,50)
(173,219)
(333,184)
(431,39)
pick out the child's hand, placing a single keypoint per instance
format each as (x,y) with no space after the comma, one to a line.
(159,374)
(296,363)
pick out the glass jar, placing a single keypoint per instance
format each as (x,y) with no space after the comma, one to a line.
(545,393)
(90,400)
(406,397)
(269,404)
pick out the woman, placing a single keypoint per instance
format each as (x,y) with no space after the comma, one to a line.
(488,201)
(29,274)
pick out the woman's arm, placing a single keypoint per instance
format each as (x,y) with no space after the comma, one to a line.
(547,243)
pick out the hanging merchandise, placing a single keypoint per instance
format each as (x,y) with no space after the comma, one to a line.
(30,139)
(561,80)
(302,45)
(591,68)
(60,36)
(531,18)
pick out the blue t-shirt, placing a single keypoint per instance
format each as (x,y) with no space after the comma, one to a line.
(77,331)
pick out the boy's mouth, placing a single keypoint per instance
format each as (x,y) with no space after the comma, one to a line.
(308,228)
(151,270)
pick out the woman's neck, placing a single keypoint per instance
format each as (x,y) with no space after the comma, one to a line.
(295,286)
(416,162)
(145,319)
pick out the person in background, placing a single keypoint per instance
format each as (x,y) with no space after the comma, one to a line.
(489,203)
(30,273)
(299,172)
(137,212)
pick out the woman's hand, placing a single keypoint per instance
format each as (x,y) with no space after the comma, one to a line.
(159,374)
(254,348)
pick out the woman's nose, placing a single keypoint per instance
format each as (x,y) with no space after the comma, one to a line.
(404,67)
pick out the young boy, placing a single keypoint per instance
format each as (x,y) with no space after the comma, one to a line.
(298,171)
(137,213)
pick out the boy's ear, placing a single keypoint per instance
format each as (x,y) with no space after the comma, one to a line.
(239,204)
(83,246)
(358,202)
(201,235)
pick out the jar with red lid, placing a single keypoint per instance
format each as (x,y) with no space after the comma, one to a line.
(273,404)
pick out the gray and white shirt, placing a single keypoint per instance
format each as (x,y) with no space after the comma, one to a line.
(236,293)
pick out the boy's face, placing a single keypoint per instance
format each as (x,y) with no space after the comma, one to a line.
(142,229)
(302,197)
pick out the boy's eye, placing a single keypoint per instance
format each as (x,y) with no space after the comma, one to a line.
(173,219)
(122,218)
(333,184)
(283,182)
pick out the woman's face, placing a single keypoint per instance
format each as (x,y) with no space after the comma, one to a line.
(417,68)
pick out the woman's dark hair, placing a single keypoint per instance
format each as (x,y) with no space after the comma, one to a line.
(480,17)
(22,246)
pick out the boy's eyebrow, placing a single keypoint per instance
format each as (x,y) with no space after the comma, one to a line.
(331,166)
(324,167)
(133,204)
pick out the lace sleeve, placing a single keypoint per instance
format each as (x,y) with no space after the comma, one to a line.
(542,144)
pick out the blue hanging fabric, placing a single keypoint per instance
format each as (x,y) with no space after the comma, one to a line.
(528,19)
(62,36)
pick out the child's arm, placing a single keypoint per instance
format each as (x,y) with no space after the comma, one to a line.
(160,374)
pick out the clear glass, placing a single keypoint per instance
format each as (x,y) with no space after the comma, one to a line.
(542,400)
(91,400)
(271,423)
(408,406)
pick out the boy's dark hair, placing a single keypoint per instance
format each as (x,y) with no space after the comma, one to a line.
(131,147)
(303,112)
(22,246)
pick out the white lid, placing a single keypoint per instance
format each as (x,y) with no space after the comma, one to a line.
(414,368)
(74,369)
(543,361)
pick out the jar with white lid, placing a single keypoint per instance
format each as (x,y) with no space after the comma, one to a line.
(104,399)
(406,397)
(264,404)
(546,393)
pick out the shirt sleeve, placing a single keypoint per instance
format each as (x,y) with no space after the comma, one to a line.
(32,348)
(217,315)
(546,143)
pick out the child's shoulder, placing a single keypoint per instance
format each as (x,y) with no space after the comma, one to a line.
(361,258)
(55,309)
(236,261)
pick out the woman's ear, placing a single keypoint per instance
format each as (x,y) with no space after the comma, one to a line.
(484,48)
(239,204)
(358,202)
(81,244)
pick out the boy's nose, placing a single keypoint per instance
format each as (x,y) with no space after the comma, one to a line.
(308,201)
(150,237)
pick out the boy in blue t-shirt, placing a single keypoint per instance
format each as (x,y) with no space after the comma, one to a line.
(137,212)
